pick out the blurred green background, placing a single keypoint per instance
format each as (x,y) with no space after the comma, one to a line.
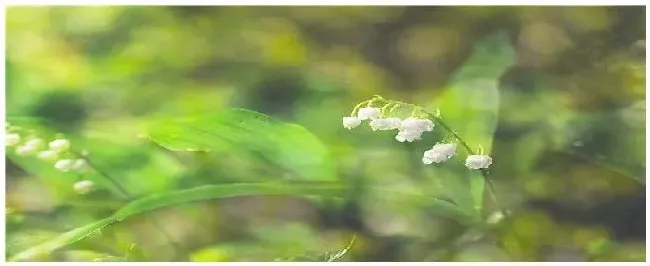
(558,99)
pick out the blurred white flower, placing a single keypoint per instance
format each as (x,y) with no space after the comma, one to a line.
(64,165)
(79,165)
(478,161)
(12,139)
(35,143)
(24,150)
(83,186)
(351,122)
(29,147)
(48,155)
(59,145)
(385,123)
(439,153)
(369,113)
(495,217)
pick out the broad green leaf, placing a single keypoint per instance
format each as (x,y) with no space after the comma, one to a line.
(470,107)
(245,132)
(207,192)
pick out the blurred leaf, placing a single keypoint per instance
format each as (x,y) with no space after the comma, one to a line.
(197,194)
(226,191)
(287,145)
(62,240)
(90,256)
(178,197)
(470,107)
(470,103)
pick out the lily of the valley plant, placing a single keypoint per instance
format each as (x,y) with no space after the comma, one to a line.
(382,114)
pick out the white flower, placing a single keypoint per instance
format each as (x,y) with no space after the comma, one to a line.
(369,113)
(385,123)
(478,161)
(12,139)
(63,165)
(24,150)
(432,157)
(439,153)
(59,145)
(83,186)
(351,122)
(79,165)
(408,136)
(34,143)
(495,217)
(411,129)
(416,124)
(48,155)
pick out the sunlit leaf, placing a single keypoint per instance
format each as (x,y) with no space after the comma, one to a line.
(245,132)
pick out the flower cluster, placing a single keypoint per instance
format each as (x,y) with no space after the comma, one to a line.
(409,129)
(56,151)
(381,113)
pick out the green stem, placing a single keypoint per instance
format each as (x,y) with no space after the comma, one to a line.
(354,111)
(489,185)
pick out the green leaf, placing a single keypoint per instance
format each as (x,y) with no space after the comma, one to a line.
(63,240)
(470,106)
(226,191)
(245,132)
(179,197)
(207,192)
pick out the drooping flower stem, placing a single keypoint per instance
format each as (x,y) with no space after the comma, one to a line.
(417,109)
(488,183)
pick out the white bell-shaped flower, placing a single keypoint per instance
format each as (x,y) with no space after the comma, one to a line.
(439,153)
(35,143)
(79,165)
(48,155)
(385,123)
(368,113)
(12,139)
(411,129)
(64,165)
(408,136)
(478,161)
(416,124)
(351,122)
(59,145)
(432,157)
(83,186)
(24,150)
